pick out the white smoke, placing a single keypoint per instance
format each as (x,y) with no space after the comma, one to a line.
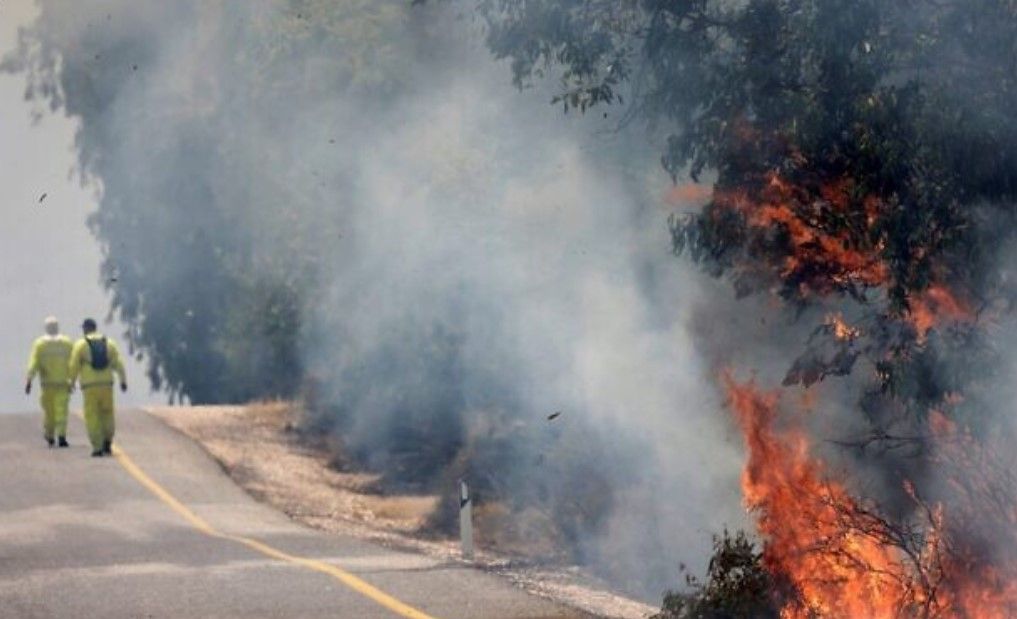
(479,253)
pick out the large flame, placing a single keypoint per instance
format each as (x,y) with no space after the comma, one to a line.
(838,572)
(842,557)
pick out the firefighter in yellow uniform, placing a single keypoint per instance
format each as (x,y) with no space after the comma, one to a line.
(94,360)
(49,359)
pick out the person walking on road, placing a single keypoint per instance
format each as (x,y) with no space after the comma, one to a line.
(94,360)
(49,359)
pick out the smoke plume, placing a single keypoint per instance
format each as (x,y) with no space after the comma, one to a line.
(348,200)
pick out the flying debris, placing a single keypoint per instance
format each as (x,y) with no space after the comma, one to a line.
(554,416)
(42,197)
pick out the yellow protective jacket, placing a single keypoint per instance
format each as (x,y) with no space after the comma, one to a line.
(81,364)
(50,357)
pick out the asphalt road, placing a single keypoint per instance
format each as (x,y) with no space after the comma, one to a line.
(86,537)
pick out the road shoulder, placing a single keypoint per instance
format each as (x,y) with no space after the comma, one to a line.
(260,448)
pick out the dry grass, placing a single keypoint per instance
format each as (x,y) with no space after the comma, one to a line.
(260,446)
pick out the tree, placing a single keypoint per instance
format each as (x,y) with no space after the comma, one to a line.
(861,153)
(862,157)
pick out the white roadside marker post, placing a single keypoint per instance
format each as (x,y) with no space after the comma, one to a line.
(465,520)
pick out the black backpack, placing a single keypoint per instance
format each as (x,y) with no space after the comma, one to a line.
(99,353)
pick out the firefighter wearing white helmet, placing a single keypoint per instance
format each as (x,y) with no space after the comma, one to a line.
(49,360)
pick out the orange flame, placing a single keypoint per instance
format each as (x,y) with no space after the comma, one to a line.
(798,212)
(842,331)
(838,573)
(823,256)
(842,558)
(935,306)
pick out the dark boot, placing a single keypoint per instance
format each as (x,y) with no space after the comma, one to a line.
(107,448)
(62,442)
(49,440)
(97,453)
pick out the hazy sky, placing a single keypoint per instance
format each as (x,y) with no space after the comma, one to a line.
(51,262)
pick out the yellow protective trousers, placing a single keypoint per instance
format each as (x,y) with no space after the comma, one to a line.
(99,414)
(54,400)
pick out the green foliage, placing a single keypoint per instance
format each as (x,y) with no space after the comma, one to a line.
(586,39)
(736,586)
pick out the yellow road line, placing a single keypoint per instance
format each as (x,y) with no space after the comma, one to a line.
(196,521)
